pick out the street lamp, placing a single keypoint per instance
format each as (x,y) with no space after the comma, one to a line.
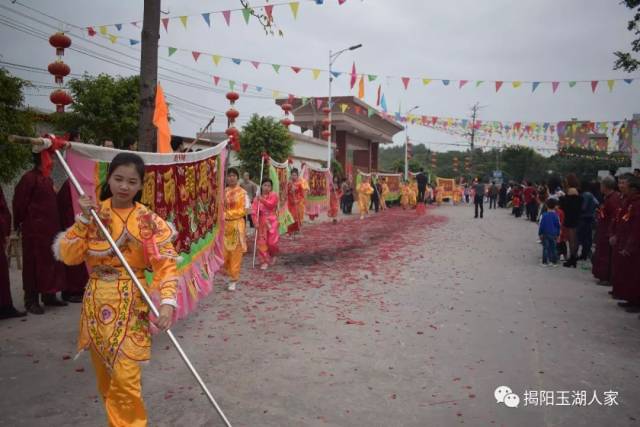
(332,57)
(406,144)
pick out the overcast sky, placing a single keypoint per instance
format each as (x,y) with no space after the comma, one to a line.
(531,40)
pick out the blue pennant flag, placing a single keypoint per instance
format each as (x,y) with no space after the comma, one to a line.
(236,61)
(336,74)
(534,86)
(259,88)
(119,27)
(133,42)
(206,18)
(383,103)
(445,82)
(628,81)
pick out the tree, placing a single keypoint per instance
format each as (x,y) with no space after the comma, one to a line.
(625,60)
(14,158)
(263,135)
(521,163)
(104,107)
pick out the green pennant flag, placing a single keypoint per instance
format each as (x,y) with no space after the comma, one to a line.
(372,77)
(305,100)
(371,112)
(572,84)
(232,84)
(172,50)
(246,13)
(276,67)
(479,82)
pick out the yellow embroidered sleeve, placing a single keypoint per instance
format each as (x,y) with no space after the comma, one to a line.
(165,268)
(70,247)
(237,209)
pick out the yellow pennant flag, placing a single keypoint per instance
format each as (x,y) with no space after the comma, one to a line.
(316,73)
(426,81)
(361,88)
(294,8)
(113,38)
(161,121)
(516,84)
(216,59)
(103,30)
(275,94)
(343,107)
(183,19)
(611,83)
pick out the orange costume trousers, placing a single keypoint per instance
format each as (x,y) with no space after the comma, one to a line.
(121,391)
(233,262)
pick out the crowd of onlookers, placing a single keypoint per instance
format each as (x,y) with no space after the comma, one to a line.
(596,223)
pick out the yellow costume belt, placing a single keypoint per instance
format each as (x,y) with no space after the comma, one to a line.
(109,273)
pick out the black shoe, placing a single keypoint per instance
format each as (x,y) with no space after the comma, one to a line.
(73,298)
(10,312)
(603,283)
(571,262)
(51,300)
(626,304)
(34,308)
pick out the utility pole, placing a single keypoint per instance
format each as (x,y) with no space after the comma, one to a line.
(148,74)
(474,115)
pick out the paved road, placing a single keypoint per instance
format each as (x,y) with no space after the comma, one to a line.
(396,320)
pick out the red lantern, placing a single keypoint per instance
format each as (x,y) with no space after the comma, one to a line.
(326,134)
(234,138)
(286,108)
(232,97)
(59,69)
(60,41)
(326,110)
(326,122)
(286,122)
(61,99)
(232,114)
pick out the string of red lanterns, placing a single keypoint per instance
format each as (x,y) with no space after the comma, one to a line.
(232,114)
(286,122)
(326,122)
(60,70)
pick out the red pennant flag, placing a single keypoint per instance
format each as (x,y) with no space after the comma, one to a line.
(244,87)
(291,98)
(462,83)
(165,24)
(227,16)
(91,31)
(354,76)
(255,64)
(216,80)
(594,85)
(378,98)
(319,103)
(341,2)
(434,120)
(498,85)
(195,55)
(296,69)
(268,10)
(405,82)
(554,86)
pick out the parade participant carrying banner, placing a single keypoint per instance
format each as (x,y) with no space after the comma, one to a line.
(279,174)
(392,180)
(318,180)
(146,239)
(185,189)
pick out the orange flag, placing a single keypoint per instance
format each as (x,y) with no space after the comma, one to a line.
(161,121)
(361,88)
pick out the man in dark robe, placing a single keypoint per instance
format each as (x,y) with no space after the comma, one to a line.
(626,247)
(7,309)
(35,216)
(76,275)
(421,180)
(606,214)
